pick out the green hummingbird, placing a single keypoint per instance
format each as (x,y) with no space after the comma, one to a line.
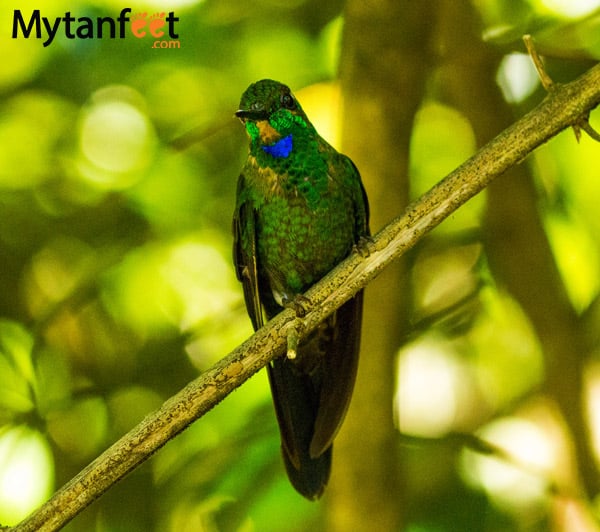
(300,209)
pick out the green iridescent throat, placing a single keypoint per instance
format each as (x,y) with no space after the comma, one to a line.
(281,121)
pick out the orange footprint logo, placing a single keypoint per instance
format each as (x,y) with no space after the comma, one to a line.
(138,23)
(157,21)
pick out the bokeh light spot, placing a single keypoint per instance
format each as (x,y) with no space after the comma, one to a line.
(116,138)
(26,473)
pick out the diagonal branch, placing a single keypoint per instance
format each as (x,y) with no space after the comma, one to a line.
(565,106)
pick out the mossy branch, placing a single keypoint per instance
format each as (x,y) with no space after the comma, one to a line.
(565,106)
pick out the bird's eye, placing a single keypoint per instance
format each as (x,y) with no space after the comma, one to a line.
(287,100)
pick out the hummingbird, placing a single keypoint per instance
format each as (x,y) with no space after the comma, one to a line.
(301,208)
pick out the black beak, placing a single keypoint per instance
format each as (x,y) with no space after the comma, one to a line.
(256,115)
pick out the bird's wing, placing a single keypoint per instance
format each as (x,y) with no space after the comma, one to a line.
(244,254)
(338,374)
(341,362)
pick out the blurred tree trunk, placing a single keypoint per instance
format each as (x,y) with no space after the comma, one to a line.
(516,243)
(383,68)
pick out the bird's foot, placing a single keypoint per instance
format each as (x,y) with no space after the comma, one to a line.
(363,246)
(300,305)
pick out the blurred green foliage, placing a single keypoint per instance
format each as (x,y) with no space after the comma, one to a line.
(118,164)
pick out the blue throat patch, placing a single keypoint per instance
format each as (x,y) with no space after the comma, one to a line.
(281,148)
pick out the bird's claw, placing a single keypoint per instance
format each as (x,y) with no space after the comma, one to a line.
(363,245)
(300,305)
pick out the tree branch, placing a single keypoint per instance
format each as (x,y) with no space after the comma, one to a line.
(565,106)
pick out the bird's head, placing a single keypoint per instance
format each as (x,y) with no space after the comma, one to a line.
(271,113)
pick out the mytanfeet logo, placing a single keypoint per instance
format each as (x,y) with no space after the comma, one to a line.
(159,26)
